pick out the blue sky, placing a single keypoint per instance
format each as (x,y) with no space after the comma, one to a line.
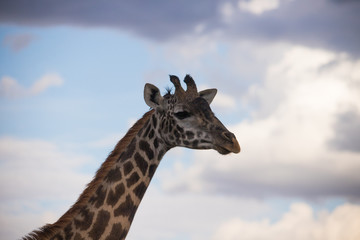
(287,74)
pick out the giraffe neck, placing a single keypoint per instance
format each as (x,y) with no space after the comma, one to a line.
(107,207)
(110,211)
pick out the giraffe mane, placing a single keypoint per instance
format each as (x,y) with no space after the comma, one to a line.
(50,230)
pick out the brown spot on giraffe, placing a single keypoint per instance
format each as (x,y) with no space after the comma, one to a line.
(85,221)
(127,208)
(98,198)
(114,175)
(128,167)
(140,190)
(117,232)
(145,146)
(129,151)
(134,178)
(78,237)
(100,224)
(142,164)
(113,196)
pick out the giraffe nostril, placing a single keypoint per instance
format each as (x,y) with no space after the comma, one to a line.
(228,135)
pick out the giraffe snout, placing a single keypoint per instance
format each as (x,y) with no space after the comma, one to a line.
(228,136)
(227,143)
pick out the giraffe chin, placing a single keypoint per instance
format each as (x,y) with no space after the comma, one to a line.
(222,150)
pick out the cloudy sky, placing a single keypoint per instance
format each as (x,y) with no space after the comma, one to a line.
(288,77)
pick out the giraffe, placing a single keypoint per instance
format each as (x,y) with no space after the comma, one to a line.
(106,208)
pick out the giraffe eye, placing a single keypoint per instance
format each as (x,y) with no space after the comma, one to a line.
(182,115)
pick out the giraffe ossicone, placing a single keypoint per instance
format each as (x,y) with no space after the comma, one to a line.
(106,208)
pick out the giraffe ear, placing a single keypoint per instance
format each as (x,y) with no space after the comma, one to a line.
(152,96)
(208,94)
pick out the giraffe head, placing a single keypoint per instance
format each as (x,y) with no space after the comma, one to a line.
(186,119)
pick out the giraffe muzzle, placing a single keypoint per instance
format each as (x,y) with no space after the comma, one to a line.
(228,144)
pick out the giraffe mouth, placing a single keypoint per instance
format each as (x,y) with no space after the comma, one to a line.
(222,150)
(217,147)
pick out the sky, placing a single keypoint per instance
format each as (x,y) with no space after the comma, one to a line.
(72,75)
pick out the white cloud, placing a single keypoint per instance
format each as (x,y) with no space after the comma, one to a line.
(10,88)
(34,175)
(227,11)
(187,50)
(188,216)
(107,142)
(298,223)
(222,102)
(215,59)
(15,224)
(48,80)
(258,6)
(285,144)
(43,163)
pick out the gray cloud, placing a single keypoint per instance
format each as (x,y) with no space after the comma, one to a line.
(347,132)
(17,42)
(157,20)
(314,23)
(325,23)
(306,182)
